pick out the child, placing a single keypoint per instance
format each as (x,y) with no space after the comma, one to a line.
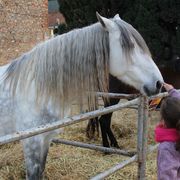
(167,133)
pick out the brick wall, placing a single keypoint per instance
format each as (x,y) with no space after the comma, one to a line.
(23,23)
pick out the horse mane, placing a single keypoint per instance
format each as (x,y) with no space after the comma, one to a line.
(127,33)
(70,66)
(64,68)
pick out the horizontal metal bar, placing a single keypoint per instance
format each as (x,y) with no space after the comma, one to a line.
(114,168)
(120,165)
(161,95)
(130,96)
(117,95)
(93,147)
(58,123)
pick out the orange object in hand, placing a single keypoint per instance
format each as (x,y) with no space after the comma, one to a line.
(154,103)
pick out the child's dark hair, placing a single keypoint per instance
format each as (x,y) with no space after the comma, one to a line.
(170,112)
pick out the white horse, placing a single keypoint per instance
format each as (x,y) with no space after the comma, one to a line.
(44,81)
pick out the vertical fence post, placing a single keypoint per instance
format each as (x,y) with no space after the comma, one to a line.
(142,136)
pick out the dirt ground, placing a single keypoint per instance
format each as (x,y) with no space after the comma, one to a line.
(70,163)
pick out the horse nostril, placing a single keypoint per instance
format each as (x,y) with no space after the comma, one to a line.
(159,85)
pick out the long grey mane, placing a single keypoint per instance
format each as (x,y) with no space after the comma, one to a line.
(128,34)
(69,66)
(64,68)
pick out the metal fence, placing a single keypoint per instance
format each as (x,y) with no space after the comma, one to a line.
(140,102)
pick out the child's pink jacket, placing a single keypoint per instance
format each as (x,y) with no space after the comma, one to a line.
(168,159)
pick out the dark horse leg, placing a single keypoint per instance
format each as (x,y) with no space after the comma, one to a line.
(105,124)
(115,86)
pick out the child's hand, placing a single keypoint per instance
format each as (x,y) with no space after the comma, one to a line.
(168,87)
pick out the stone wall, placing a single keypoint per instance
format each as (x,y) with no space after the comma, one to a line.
(23,23)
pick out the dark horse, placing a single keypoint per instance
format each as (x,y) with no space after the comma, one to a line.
(115,86)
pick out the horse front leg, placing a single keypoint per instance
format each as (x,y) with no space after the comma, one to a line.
(35,153)
(105,124)
(110,134)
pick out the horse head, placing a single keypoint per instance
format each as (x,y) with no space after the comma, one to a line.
(130,59)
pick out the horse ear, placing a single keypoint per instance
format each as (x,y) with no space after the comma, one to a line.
(117,17)
(106,23)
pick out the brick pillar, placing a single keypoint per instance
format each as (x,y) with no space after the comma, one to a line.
(23,24)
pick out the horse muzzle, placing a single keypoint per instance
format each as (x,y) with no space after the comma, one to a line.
(149,90)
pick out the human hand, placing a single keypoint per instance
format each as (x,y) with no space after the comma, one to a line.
(168,87)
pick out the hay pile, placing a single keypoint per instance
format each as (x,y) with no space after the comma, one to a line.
(69,163)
